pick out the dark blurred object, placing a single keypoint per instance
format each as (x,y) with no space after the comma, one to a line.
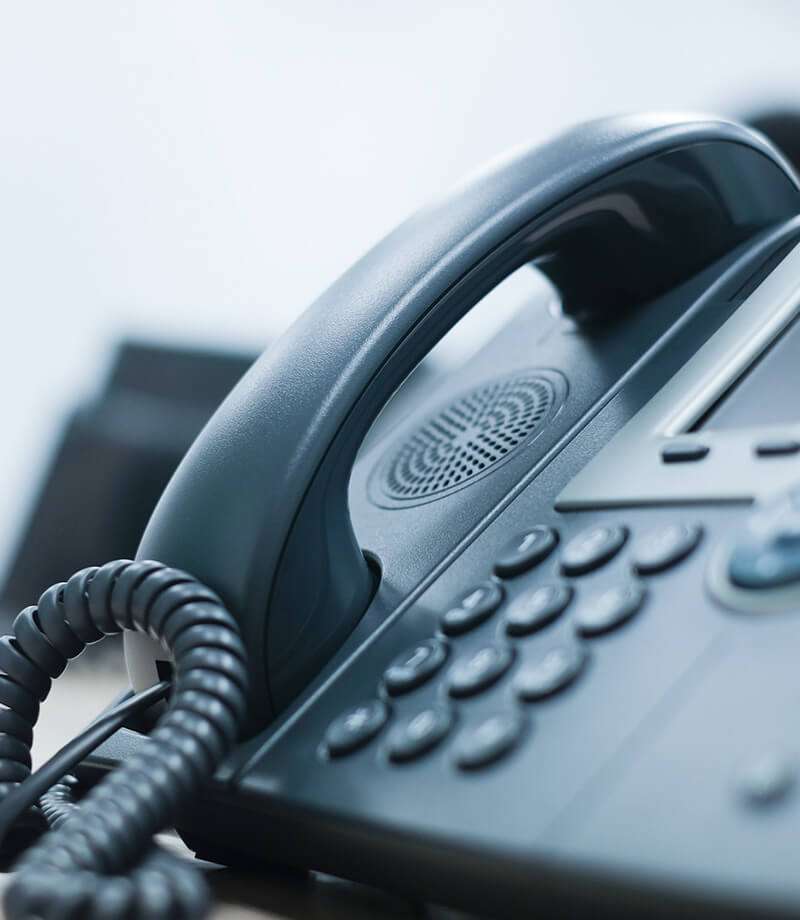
(115,457)
(782,127)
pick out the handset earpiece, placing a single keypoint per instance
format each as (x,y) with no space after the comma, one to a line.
(614,212)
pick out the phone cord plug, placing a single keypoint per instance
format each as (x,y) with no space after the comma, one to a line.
(98,858)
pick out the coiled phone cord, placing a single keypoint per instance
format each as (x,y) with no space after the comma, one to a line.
(98,860)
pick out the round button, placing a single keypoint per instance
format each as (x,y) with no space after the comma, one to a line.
(474,608)
(478,672)
(414,666)
(489,740)
(526,550)
(608,610)
(592,548)
(537,608)
(419,734)
(766,778)
(356,727)
(554,671)
(662,548)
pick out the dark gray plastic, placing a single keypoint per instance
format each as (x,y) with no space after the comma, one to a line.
(614,211)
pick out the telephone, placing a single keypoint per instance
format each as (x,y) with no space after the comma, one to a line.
(536,647)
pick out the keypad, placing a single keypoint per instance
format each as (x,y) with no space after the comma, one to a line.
(480,670)
(537,608)
(356,727)
(489,740)
(415,666)
(526,551)
(607,610)
(554,671)
(419,734)
(662,548)
(474,608)
(592,548)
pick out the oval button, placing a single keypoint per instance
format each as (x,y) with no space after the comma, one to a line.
(419,734)
(414,666)
(601,613)
(537,608)
(553,672)
(489,740)
(356,727)
(474,608)
(592,548)
(478,672)
(526,550)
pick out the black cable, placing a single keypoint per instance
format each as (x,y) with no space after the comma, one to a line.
(29,791)
(97,860)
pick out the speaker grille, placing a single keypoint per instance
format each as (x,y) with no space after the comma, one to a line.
(469,437)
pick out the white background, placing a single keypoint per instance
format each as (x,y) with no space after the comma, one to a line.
(200,171)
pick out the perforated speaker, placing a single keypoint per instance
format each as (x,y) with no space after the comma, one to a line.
(468,438)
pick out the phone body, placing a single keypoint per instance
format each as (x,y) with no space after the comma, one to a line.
(558,695)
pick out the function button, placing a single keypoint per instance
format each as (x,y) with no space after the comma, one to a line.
(683,452)
(489,740)
(419,734)
(761,564)
(355,728)
(592,548)
(416,665)
(478,672)
(537,608)
(662,548)
(473,609)
(777,447)
(766,778)
(526,551)
(554,671)
(603,612)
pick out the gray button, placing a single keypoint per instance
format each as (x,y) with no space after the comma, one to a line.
(683,452)
(777,447)
(356,727)
(537,608)
(554,671)
(766,778)
(662,548)
(414,666)
(482,669)
(489,740)
(601,613)
(592,548)
(526,551)
(419,734)
(475,607)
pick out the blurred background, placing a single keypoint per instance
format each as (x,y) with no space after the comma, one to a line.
(179,180)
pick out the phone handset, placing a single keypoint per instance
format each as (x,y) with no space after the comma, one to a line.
(614,211)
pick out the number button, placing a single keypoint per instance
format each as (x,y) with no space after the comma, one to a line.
(556,670)
(660,549)
(474,608)
(416,665)
(526,551)
(419,734)
(489,740)
(604,612)
(592,548)
(355,728)
(478,672)
(537,608)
